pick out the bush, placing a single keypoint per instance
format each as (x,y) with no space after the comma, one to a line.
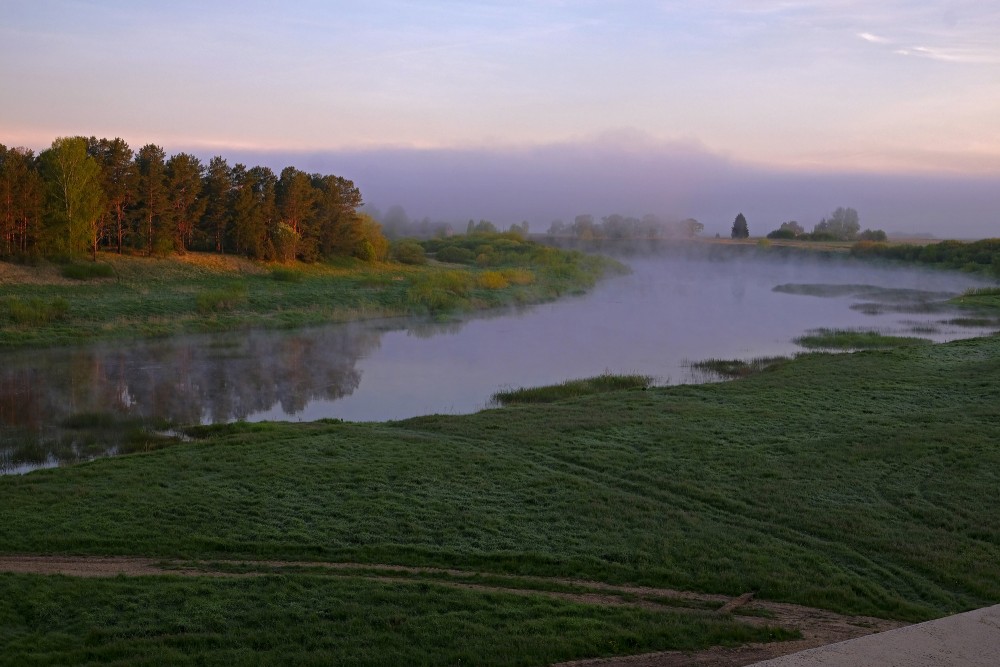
(456,255)
(492,280)
(874,235)
(87,271)
(781,234)
(409,252)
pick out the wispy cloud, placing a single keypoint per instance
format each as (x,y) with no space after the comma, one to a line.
(874,39)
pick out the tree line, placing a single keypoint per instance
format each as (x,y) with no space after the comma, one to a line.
(586,227)
(84,194)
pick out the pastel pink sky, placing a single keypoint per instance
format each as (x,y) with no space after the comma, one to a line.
(831,86)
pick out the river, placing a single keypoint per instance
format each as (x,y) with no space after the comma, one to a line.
(668,312)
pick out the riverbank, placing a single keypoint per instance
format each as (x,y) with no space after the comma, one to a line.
(201,292)
(870,492)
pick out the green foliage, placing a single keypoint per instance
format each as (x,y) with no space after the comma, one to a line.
(740,229)
(408,251)
(979,256)
(572,388)
(843,339)
(87,271)
(161,296)
(781,234)
(454,254)
(221,300)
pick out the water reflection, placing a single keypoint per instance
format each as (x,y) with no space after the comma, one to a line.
(72,404)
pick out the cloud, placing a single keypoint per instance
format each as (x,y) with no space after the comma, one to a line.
(874,39)
(633,175)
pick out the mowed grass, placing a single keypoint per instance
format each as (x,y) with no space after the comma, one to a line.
(863,483)
(312,620)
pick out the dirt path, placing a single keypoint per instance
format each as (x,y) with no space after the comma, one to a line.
(818,627)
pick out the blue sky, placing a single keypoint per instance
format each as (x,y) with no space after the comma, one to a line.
(888,88)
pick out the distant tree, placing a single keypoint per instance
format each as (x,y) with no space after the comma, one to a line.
(217,218)
(873,235)
(690,227)
(395,222)
(151,210)
(485,227)
(557,228)
(843,225)
(254,211)
(74,198)
(21,201)
(740,229)
(338,227)
(183,189)
(583,227)
(119,179)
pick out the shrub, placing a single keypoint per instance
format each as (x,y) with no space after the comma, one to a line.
(409,252)
(492,280)
(781,234)
(456,255)
(518,276)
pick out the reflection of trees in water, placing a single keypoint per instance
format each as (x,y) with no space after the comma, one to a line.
(187,380)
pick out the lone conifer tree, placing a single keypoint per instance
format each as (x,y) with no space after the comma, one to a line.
(740,229)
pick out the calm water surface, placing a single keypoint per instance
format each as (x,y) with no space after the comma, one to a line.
(657,320)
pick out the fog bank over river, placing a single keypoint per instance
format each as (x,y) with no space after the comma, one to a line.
(668,312)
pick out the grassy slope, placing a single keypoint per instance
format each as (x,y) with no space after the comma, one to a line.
(157,297)
(873,491)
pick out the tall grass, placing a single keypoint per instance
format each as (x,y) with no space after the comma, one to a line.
(847,339)
(221,299)
(571,389)
(34,311)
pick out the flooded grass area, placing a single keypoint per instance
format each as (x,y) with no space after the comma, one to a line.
(842,339)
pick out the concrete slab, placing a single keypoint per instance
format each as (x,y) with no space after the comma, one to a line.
(971,639)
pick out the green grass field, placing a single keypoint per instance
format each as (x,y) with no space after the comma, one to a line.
(862,483)
(198,292)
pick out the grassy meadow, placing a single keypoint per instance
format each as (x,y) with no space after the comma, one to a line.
(123,296)
(871,492)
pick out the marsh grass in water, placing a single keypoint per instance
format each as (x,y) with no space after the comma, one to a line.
(850,339)
(737,368)
(571,388)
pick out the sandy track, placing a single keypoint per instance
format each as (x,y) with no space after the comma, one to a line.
(818,627)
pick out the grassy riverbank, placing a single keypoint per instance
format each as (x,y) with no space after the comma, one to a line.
(870,492)
(138,296)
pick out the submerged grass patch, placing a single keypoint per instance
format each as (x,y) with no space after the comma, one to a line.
(737,368)
(849,339)
(571,388)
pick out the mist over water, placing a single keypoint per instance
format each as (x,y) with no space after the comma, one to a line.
(670,311)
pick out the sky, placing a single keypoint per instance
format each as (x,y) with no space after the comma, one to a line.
(511,110)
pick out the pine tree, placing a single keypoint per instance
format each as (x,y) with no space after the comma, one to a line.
(740,229)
